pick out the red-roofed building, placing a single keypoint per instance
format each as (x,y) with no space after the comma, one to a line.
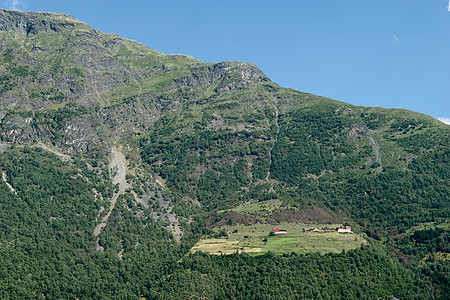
(279,231)
(347,229)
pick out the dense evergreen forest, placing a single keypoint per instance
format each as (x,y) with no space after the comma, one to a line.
(117,159)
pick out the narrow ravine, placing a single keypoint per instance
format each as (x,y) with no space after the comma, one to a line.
(275,140)
(5,180)
(377,150)
(93,85)
(117,173)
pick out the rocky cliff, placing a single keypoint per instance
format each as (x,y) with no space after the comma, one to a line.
(116,86)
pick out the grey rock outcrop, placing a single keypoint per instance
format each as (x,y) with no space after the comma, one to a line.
(34,23)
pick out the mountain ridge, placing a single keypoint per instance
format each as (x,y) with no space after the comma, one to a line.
(191,143)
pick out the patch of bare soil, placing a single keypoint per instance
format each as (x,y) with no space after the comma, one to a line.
(310,214)
(306,215)
(232,218)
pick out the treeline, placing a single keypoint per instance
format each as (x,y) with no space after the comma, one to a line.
(364,273)
(354,160)
(46,239)
(47,247)
(200,154)
(331,158)
(427,252)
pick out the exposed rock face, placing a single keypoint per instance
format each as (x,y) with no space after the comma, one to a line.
(231,75)
(64,84)
(34,23)
(124,85)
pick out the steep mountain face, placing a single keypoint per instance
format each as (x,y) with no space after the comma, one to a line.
(113,86)
(114,154)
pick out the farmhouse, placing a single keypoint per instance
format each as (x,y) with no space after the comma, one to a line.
(279,231)
(346,229)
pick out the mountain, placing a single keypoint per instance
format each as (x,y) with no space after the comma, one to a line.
(116,159)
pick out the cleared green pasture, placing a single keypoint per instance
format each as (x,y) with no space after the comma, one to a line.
(250,239)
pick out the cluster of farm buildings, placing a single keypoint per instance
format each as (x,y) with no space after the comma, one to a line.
(346,229)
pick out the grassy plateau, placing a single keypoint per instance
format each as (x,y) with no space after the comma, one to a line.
(256,240)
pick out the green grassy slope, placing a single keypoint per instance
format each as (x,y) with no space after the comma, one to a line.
(255,240)
(384,167)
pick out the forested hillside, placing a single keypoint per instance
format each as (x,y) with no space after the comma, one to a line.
(116,159)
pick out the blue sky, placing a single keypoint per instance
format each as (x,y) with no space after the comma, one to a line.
(390,53)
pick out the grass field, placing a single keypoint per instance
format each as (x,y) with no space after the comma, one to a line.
(249,239)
